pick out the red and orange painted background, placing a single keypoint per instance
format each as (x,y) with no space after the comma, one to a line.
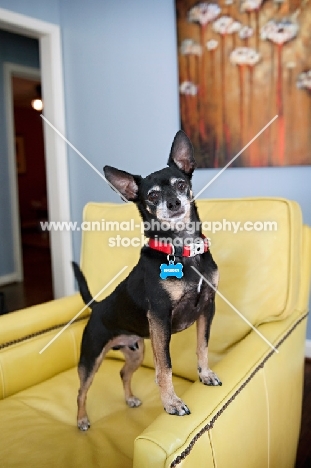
(241,62)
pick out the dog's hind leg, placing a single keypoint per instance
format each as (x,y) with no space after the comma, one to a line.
(86,378)
(93,351)
(134,356)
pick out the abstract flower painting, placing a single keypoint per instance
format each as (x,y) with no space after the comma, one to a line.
(241,62)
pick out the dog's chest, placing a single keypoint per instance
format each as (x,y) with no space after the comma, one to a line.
(184,297)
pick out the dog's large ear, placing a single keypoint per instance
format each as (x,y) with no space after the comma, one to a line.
(122,182)
(181,154)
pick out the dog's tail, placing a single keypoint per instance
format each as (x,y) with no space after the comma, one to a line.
(83,287)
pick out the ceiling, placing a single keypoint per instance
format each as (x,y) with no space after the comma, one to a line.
(24,90)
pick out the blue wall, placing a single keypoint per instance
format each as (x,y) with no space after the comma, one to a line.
(22,51)
(121,89)
(121,94)
(45,10)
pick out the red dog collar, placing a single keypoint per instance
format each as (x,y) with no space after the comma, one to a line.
(196,248)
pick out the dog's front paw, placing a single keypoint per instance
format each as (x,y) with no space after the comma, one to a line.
(209,377)
(177,407)
(133,402)
(84,424)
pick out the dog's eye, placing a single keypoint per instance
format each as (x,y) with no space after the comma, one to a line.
(153,196)
(181,185)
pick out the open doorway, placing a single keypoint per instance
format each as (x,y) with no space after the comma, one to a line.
(50,50)
(32,195)
(33,284)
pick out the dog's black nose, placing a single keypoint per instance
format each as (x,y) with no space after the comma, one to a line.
(173,204)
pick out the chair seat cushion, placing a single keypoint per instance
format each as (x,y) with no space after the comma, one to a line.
(39,424)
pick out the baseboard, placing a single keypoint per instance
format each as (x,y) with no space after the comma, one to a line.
(308,349)
(11,278)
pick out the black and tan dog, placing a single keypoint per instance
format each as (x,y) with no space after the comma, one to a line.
(144,305)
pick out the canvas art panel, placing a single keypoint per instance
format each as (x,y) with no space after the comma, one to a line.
(240,64)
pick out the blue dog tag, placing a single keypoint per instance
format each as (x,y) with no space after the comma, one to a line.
(171,269)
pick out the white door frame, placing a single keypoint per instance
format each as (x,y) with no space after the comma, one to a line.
(49,38)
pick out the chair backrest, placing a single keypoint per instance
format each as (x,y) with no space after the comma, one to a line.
(259,261)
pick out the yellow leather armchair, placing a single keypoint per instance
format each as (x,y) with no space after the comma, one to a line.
(253,420)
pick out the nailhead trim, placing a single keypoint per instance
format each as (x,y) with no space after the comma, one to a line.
(38,333)
(210,425)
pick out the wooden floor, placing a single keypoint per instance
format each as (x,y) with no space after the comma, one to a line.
(37,288)
(37,285)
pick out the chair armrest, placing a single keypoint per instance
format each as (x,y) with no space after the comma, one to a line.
(25,333)
(171,439)
(31,320)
